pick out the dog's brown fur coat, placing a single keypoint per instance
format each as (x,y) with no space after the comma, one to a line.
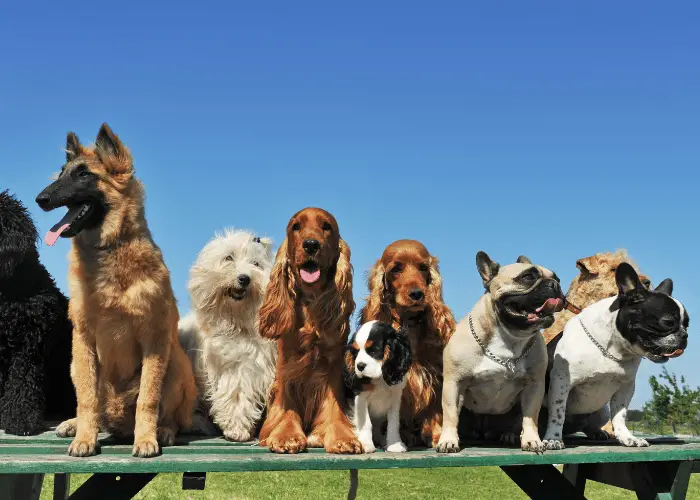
(131,375)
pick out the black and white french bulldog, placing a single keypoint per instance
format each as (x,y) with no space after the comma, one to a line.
(595,362)
(495,363)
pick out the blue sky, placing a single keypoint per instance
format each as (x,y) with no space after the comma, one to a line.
(553,129)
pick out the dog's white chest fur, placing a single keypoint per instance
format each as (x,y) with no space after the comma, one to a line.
(594,378)
(491,389)
(381,398)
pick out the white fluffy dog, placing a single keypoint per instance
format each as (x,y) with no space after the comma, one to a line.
(233,364)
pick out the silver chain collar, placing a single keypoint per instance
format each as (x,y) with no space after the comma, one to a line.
(598,344)
(508,364)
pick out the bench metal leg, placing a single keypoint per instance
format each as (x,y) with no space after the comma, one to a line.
(576,475)
(649,480)
(21,486)
(112,486)
(194,480)
(354,484)
(61,486)
(542,482)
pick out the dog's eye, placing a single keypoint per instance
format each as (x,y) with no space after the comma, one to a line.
(423,268)
(326,226)
(668,323)
(397,268)
(83,173)
(257,264)
(229,258)
(296,226)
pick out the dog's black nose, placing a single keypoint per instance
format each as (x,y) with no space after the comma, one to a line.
(244,280)
(311,246)
(361,366)
(43,200)
(416,294)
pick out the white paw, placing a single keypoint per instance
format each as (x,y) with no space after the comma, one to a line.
(533,445)
(368,446)
(396,448)
(509,438)
(553,444)
(447,445)
(237,435)
(634,442)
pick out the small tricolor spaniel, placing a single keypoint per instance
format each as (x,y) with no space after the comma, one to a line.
(377,359)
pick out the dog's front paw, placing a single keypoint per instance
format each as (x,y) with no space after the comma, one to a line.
(345,446)
(533,445)
(553,444)
(449,442)
(67,429)
(396,448)
(291,444)
(633,442)
(82,448)
(237,435)
(146,448)
(368,447)
(509,439)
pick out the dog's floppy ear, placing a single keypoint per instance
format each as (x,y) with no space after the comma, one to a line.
(666,286)
(343,286)
(523,260)
(487,268)
(375,307)
(278,313)
(397,357)
(440,316)
(112,152)
(627,279)
(73,147)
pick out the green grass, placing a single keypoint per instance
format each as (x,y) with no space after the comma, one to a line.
(439,483)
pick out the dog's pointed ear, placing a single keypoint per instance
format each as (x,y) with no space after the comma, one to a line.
(524,260)
(73,147)
(108,142)
(588,265)
(627,279)
(666,286)
(487,268)
(113,153)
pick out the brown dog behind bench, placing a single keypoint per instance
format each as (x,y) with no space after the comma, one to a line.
(130,374)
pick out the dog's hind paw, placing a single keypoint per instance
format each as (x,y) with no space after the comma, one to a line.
(166,436)
(634,442)
(146,448)
(509,439)
(82,448)
(553,444)
(67,428)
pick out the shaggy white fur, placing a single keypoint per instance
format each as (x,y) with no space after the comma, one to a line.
(234,366)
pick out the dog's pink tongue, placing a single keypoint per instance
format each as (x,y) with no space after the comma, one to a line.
(310,277)
(675,353)
(551,306)
(52,236)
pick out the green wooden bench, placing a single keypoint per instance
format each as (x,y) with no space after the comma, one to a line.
(661,471)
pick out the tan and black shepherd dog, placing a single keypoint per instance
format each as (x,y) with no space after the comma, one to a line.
(130,374)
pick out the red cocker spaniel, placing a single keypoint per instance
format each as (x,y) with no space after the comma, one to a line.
(405,289)
(307,307)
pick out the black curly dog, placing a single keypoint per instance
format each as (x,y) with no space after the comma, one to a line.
(35,332)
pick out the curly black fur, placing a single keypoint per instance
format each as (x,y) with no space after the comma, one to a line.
(35,332)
